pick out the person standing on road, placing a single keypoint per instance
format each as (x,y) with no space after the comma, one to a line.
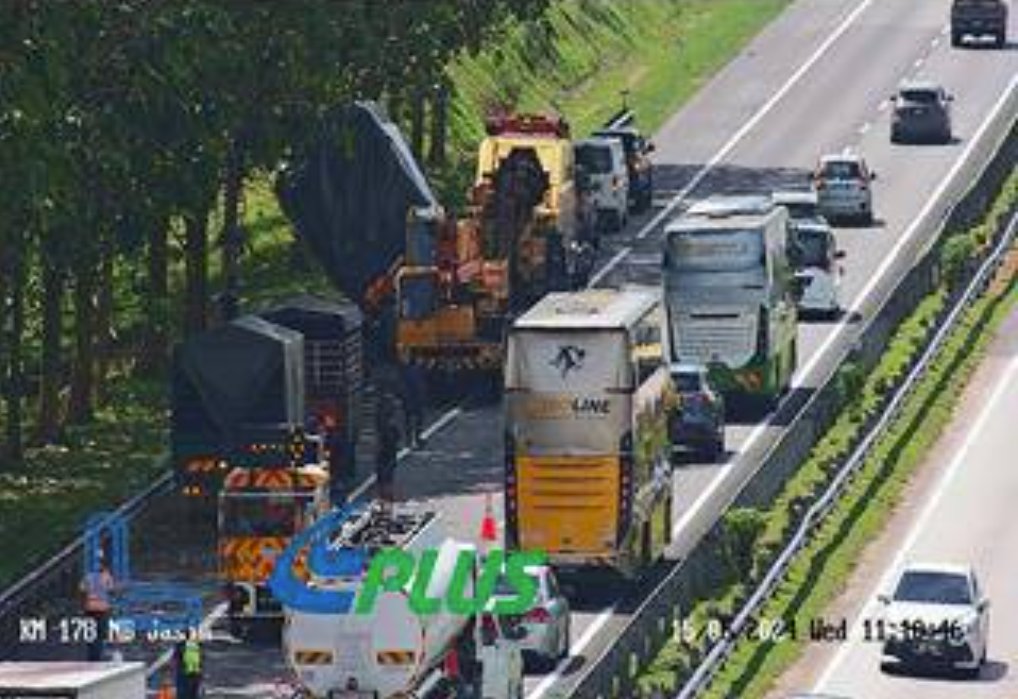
(414,392)
(96,589)
(187,655)
(387,451)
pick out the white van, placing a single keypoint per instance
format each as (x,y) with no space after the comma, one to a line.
(601,169)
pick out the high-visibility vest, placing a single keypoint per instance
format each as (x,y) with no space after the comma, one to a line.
(192,658)
(97,588)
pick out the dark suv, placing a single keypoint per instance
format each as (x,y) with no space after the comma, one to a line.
(979,18)
(698,422)
(922,112)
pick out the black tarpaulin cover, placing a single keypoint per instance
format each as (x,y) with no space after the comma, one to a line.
(348,195)
(248,372)
(316,317)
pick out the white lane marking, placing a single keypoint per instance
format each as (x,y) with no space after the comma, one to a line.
(605,615)
(864,128)
(920,524)
(876,278)
(740,134)
(918,62)
(935,43)
(884,105)
(438,424)
(551,678)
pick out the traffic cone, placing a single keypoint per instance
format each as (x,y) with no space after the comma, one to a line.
(489,527)
(165,692)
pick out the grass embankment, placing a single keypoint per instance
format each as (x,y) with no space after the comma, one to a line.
(819,572)
(578,59)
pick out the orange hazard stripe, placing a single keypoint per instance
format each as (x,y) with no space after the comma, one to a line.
(395,657)
(312,657)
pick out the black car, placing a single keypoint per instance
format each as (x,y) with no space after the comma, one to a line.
(698,422)
(977,18)
(922,112)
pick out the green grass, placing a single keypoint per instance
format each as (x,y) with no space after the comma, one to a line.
(579,59)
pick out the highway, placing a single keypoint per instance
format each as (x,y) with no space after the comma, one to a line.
(959,508)
(816,80)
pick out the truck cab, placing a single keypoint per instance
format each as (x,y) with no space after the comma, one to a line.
(977,18)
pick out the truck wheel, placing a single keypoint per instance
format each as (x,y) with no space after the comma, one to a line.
(1001,40)
(956,39)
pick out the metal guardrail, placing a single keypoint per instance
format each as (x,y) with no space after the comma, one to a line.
(816,514)
(60,570)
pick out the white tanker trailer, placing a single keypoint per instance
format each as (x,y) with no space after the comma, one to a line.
(393,652)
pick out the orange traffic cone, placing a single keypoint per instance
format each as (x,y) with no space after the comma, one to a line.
(165,692)
(489,527)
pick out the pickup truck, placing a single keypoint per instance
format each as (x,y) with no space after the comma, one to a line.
(975,18)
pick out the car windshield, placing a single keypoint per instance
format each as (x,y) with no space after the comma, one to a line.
(802,209)
(595,159)
(262,515)
(687,382)
(841,170)
(933,587)
(920,96)
(809,248)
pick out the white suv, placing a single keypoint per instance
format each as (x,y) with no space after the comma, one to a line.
(606,180)
(937,615)
(843,186)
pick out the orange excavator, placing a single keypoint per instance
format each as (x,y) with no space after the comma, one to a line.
(441,290)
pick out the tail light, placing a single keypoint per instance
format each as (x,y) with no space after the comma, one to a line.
(625,484)
(511,536)
(538,615)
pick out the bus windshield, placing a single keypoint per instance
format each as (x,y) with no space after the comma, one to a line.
(715,251)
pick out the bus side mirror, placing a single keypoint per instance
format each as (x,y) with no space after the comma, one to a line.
(839,255)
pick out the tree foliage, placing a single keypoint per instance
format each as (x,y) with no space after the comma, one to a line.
(122,120)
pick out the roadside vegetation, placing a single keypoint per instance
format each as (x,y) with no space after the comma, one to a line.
(174,115)
(819,572)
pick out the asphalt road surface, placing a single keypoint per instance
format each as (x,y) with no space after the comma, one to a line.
(959,509)
(816,80)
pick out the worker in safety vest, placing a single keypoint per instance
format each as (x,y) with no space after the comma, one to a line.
(96,590)
(188,665)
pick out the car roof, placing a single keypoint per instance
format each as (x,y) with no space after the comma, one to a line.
(918,85)
(846,157)
(731,204)
(600,141)
(794,196)
(689,367)
(925,567)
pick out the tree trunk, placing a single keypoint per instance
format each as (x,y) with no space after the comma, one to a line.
(79,408)
(52,332)
(439,125)
(417,123)
(104,323)
(12,302)
(156,342)
(232,239)
(196,262)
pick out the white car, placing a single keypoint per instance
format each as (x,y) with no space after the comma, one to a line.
(938,616)
(547,623)
(843,186)
(602,162)
(814,255)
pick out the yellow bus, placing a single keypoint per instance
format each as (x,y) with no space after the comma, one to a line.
(587,468)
